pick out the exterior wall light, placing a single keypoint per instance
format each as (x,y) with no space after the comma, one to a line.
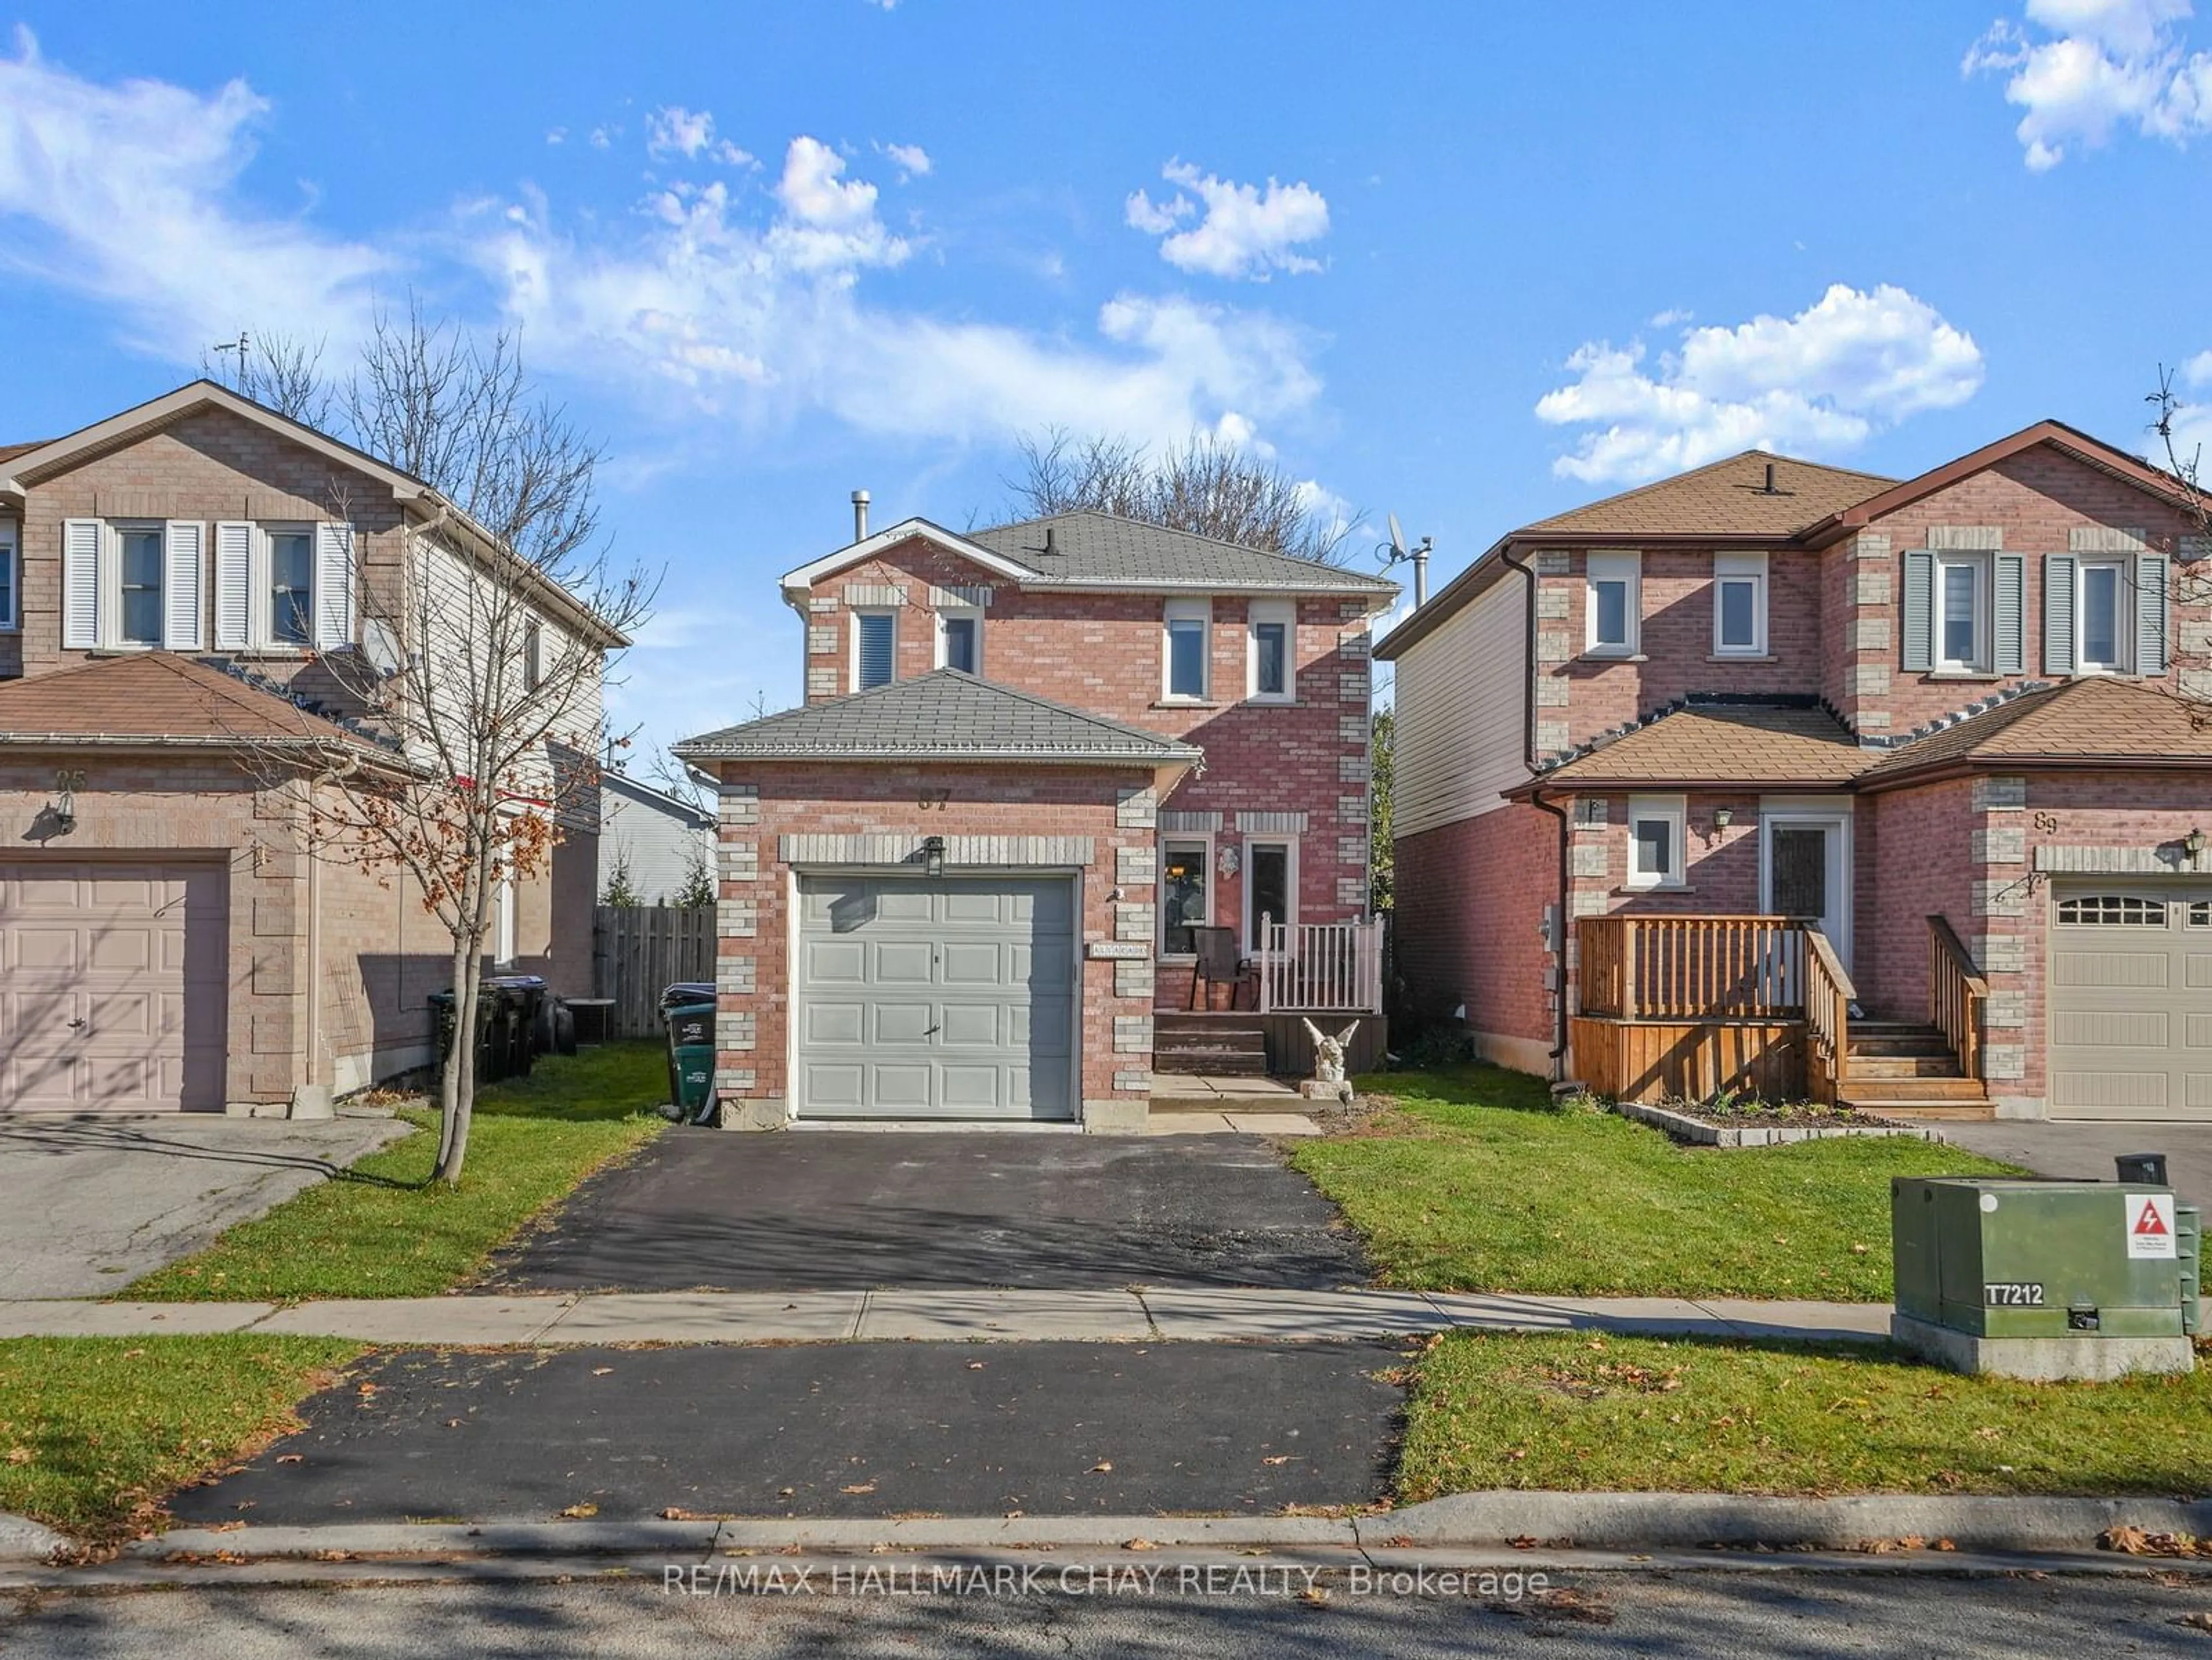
(932,855)
(2193,843)
(1723,818)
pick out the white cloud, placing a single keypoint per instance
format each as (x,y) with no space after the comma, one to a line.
(912,160)
(603,137)
(765,322)
(2083,68)
(1246,230)
(1673,318)
(131,193)
(672,130)
(1821,381)
(556,135)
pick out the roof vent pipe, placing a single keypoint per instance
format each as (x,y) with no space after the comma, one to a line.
(1049,546)
(859,515)
(1770,490)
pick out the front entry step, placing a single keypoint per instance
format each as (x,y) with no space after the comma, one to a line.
(1209,1046)
(1907,1069)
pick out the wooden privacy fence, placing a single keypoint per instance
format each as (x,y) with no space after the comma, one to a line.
(639,951)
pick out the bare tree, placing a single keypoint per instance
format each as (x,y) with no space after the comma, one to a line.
(281,371)
(2191,578)
(1205,485)
(483,650)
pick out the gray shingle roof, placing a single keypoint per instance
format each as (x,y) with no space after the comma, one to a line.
(944,716)
(1099,548)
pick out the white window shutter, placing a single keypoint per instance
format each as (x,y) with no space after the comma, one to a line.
(80,547)
(184,557)
(233,585)
(333,585)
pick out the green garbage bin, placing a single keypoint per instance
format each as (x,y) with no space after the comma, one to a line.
(689,1013)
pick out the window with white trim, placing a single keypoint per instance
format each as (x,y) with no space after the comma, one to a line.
(875,648)
(289,581)
(1657,826)
(1271,652)
(1740,604)
(2103,616)
(1185,636)
(11,579)
(2111,910)
(1962,612)
(960,639)
(1612,603)
(1185,893)
(140,566)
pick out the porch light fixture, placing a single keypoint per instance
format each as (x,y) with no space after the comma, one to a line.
(1723,818)
(63,808)
(2193,843)
(932,855)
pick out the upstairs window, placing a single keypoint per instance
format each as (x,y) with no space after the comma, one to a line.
(2103,615)
(1269,654)
(1189,626)
(960,641)
(875,641)
(1961,613)
(533,655)
(11,580)
(140,623)
(291,587)
(1612,603)
(1739,604)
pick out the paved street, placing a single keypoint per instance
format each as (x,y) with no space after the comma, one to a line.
(1701,1616)
(2086,1150)
(807,1211)
(87,1205)
(853,1430)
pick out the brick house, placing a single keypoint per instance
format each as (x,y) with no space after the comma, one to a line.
(180,587)
(961,881)
(1775,776)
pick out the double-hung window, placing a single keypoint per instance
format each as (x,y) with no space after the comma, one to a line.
(127,585)
(1184,901)
(1739,604)
(1656,834)
(960,640)
(11,579)
(1189,628)
(1612,603)
(140,571)
(1270,667)
(290,581)
(875,648)
(2102,613)
(1962,608)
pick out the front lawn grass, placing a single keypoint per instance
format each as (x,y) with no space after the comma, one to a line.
(383,1229)
(1472,1183)
(1584,1412)
(95,1431)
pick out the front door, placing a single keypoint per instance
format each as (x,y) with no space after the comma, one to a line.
(1808,873)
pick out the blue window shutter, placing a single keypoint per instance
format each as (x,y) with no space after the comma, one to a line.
(2150,613)
(2009,608)
(1918,623)
(2058,613)
(875,649)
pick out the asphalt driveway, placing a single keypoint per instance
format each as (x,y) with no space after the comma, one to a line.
(87,1205)
(2086,1150)
(830,1429)
(827,1212)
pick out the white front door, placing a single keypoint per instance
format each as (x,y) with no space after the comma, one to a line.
(1805,870)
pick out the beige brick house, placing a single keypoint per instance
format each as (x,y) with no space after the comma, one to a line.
(176,584)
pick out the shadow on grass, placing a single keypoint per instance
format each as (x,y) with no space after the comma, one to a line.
(1466,1084)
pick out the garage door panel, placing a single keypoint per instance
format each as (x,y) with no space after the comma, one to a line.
(2116,1028)
(835,963)
(2128,1024)
(2196,1031)
(2111,1093)
(2128,970)
(834,1023)
(36,947)
(948,976)
(2196,971)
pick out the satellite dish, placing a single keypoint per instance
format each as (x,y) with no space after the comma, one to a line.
(1397,536)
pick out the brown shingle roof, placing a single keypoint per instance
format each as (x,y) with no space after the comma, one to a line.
(159,697)
(10,451)
(2080,723)
(1724,744)
(1726,498)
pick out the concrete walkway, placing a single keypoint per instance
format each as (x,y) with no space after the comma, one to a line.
(1198,1315)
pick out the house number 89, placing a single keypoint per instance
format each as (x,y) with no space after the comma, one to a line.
(935,799)
(2046,823)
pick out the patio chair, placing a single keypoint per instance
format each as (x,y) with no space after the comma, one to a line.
(1220,963)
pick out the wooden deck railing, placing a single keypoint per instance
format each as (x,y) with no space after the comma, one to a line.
(1956,992)
(1692,968)
(1321,968)
(1829,995)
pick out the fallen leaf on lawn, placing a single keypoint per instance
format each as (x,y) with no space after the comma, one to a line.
(578,1512)
(20,1455)
(291,1458)
(1858,1250)
(860,1487)
(365,1388)
(2138,1542)
(1103,1467)
(132,1354)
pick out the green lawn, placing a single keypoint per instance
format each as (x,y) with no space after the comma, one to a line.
(381,1230)
(1473,1183)
(95,1431)
(1639,1414)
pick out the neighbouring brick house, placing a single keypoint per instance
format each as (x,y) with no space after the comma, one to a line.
(960,880)
(1947,725)
(178,585)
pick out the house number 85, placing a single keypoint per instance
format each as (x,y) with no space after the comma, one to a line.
(935,799)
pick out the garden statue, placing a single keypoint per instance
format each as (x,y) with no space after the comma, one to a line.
(1328,1082)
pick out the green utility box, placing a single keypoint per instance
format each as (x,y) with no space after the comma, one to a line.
(2044,1279)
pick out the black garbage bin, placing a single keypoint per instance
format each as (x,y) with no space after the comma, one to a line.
(527,1009)
(492,1045)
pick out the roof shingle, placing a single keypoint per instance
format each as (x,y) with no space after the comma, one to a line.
(2083,721)
(1726,498)
(159,697)
(1723,743)
(1103,548)
(943,716)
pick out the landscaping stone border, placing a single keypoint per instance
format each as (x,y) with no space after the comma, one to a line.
(1696,1131)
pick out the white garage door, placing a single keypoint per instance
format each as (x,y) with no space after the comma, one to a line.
(112,987)
(951,999)
(2131,1001)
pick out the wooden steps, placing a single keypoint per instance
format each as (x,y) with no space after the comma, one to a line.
(1209,1045)
(1905,1069)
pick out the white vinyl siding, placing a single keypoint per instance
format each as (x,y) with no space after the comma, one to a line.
(1461,697)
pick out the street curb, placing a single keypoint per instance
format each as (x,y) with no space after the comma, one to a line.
(22,1539)
(1559,1521)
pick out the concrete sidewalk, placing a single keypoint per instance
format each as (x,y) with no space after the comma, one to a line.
(1134,1315)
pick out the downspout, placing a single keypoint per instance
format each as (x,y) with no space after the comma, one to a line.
(1529,759)
(331,774)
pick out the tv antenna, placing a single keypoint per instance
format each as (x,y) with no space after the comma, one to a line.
(243,347)
(1395,552)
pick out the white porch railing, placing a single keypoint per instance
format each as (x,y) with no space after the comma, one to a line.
(1321,968)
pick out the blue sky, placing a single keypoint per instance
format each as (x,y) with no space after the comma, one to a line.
(1473,263)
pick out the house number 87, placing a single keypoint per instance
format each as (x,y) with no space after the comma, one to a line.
(935,799)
